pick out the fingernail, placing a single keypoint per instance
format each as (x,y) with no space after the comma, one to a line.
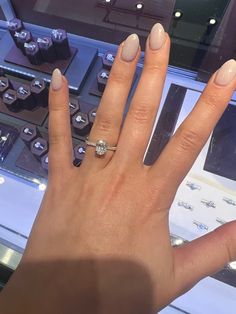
(130,48)
(56,80)
(226,73)
(157,37)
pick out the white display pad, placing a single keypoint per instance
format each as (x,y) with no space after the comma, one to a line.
(201,217)
(19,204)
(208,297)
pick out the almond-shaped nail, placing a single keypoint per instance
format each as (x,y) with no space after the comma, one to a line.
(56,80)
(130,48)
(226,73)
(157,37)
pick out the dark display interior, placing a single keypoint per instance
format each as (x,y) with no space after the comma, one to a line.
(199,29)
(109,22)
(221,158)
(2,16)
(198,33)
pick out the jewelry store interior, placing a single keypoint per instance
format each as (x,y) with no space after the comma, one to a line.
(87,35)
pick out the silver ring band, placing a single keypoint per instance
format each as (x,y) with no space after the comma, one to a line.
(101,147)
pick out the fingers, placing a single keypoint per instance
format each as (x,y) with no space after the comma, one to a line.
(60,141)
(110,112)
(180,154)
(204,256)
(140,119)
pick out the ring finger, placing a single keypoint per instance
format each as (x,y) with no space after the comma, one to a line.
(110,112)
(140,119)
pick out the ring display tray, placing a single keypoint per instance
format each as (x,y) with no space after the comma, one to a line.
(16,57)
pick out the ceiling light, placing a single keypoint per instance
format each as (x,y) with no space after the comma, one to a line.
(2,180)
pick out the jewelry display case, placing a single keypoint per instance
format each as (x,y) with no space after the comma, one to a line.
(203,38)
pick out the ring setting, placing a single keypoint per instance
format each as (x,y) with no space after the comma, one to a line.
(101,147)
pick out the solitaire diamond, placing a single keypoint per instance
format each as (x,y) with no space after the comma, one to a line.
(101,148)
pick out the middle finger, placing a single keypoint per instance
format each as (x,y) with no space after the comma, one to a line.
(140,119)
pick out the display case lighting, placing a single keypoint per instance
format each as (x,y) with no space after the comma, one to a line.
(178,242)
(212,21)
(232,265)
(178,14)
(139,6)
(42,187)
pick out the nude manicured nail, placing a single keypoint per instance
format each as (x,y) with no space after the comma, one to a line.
(226,73)
(157,37)
(130,48)
(57,80)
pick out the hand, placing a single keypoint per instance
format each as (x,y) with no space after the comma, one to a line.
(101,242)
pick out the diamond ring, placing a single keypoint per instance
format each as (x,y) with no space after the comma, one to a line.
(101,147)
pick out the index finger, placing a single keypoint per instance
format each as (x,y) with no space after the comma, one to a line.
(179,155)
(60,140)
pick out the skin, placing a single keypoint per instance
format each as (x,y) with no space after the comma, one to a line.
(101,243)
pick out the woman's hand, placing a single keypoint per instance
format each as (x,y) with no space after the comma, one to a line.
(101,242)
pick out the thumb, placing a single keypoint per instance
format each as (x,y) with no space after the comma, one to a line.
(204,256)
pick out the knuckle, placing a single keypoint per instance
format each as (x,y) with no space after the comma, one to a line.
(222,241)
(104,123)
(210,101)
(57,106)
(57,139)
(188,139)
(140,113)
(154,68)
(119,77)
(225,236)
(118,182)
